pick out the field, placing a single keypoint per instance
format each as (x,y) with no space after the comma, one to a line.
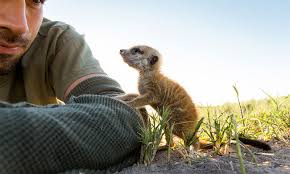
(267,120)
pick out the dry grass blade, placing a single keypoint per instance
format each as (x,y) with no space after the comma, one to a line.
(238,146)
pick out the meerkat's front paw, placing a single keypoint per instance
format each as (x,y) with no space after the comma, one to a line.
(126,97)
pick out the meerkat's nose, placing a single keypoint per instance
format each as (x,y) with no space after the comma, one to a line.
(122,51)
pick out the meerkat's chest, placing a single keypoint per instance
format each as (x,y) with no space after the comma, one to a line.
(157,89)
(148,87)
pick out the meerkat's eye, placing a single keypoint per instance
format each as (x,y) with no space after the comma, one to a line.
(137,50)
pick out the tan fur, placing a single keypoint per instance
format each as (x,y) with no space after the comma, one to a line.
(159,91)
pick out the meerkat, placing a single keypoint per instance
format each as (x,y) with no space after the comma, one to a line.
(160,92)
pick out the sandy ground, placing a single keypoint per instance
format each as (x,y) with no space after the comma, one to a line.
(276,161)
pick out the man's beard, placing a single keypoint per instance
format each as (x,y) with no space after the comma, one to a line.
(7,63)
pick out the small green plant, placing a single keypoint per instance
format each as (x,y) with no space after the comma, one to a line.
(151,135)
(219,132)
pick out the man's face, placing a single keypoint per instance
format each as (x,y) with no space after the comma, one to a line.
(20,21)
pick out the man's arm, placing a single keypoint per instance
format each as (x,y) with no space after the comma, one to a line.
(89,132)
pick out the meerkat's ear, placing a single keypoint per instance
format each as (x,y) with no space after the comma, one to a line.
(153,59)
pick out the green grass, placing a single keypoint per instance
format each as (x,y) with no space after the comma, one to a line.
(218,130)
(258,119)
(193,138)
(151,136)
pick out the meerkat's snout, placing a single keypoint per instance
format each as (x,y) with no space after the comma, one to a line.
(122,51)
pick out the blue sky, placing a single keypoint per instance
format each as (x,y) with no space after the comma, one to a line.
(207,45)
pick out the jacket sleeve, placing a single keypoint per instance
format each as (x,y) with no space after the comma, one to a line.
(99,85)
(90,132)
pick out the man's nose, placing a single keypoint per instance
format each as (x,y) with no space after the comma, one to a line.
(13,16)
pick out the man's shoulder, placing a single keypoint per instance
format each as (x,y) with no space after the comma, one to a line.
(49,27)
(52,37)
(57,34)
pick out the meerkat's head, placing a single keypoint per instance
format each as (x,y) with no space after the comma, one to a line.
(142,58)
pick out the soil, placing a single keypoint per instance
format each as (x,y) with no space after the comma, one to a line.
(275,161)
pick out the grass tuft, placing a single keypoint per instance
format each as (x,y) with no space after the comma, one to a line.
(151,135)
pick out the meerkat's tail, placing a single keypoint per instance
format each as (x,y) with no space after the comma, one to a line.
(255,143)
